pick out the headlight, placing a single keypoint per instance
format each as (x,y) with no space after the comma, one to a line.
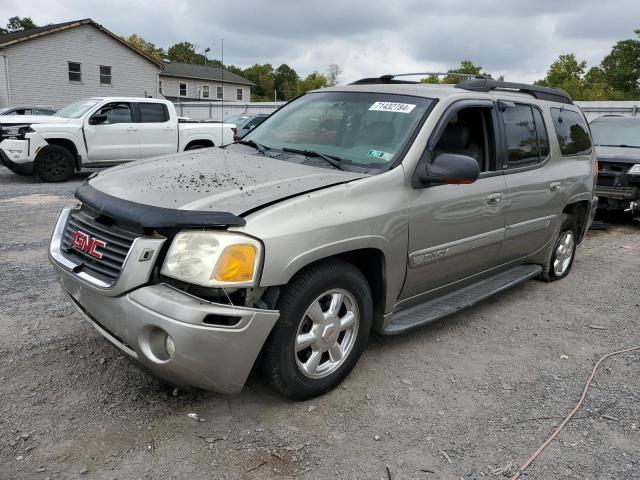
(213,259)
(16,131)
(635,170)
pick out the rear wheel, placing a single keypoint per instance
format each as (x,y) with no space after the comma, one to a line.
(564,250)
(325,319)
(54,164)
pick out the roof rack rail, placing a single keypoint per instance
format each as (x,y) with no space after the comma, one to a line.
(390,78)
(541,93)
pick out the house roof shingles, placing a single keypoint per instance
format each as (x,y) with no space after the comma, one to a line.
(201,72)
(24,35)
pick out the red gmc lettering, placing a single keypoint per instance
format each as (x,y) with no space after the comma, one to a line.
(88,244)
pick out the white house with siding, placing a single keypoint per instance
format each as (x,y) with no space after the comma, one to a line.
(186,82)
(58,64)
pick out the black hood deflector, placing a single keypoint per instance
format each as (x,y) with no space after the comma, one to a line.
(145,217)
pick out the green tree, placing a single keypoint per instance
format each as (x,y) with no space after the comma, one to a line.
(568,73)
(467,67)
(286,82)
(622,67)
(147,47)
(313,81)
(264,79)
(430,79)
(185,52)
(16,23)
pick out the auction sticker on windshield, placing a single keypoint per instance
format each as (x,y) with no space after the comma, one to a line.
(392,107)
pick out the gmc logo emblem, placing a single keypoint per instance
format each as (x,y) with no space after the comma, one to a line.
(87,244)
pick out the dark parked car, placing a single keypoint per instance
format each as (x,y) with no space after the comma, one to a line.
(617,141)
(27,110)
(245,122)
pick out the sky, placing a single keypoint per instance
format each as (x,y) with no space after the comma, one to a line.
(515,38)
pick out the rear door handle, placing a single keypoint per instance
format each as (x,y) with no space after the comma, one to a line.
(494,198)
(555,186)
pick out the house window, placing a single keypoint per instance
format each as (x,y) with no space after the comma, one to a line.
(219,93)
(239,93)
(183,89)
(105,75)
(75,74)
(205,91)
(160,86)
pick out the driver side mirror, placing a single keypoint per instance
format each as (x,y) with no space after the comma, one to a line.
(97,119)
(451,168)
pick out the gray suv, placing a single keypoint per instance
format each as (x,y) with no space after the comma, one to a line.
(378,206)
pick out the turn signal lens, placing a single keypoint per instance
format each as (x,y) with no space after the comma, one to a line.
(236,264)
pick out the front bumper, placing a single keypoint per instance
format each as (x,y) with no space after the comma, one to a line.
(16,151)
(212,357)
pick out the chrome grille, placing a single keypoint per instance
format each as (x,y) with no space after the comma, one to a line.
(118,243)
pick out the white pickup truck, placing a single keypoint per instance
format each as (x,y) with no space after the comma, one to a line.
(100,132)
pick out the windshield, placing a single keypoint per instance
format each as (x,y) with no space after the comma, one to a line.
(616,132)
(78,109)
(361,129)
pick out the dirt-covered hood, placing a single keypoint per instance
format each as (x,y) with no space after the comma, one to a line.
(233,180)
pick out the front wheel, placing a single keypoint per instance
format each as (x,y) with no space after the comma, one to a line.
(564,251)
(54,164)
(325,319)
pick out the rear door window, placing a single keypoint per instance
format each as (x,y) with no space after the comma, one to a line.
(521,137)
(153,112)
(572,131)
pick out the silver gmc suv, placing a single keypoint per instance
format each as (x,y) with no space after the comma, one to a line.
(378,206)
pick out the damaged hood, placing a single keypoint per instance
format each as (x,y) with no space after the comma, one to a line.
(233,180)
(629,155)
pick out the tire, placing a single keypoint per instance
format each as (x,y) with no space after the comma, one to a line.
(333,340)
(54,164)
(560,260)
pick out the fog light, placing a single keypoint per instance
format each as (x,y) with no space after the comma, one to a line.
(170,346)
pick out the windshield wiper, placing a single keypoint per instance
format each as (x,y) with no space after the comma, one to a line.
(330,159)
(251,143)
(621,146)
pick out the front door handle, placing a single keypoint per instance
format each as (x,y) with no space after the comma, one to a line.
(494,198)
(132,129)
(555,186)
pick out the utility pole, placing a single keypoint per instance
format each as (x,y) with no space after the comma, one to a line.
(206,50)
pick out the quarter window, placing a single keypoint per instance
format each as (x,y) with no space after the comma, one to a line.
(205,91)
(153,113)
(183,89)
(520,131)
(239,93)
(75,72)
(105,75)
(572,132)
(219,93)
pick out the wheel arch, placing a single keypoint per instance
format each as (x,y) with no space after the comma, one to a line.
(370,261)
(580,211)
(70,146)
(205,142)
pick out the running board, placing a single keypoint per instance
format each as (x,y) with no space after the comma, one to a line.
(418,315)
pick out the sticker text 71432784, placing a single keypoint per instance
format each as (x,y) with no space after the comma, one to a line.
(392,107)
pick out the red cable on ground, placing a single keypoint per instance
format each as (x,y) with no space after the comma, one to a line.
(533,457)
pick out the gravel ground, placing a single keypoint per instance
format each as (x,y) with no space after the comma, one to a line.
(465,398)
